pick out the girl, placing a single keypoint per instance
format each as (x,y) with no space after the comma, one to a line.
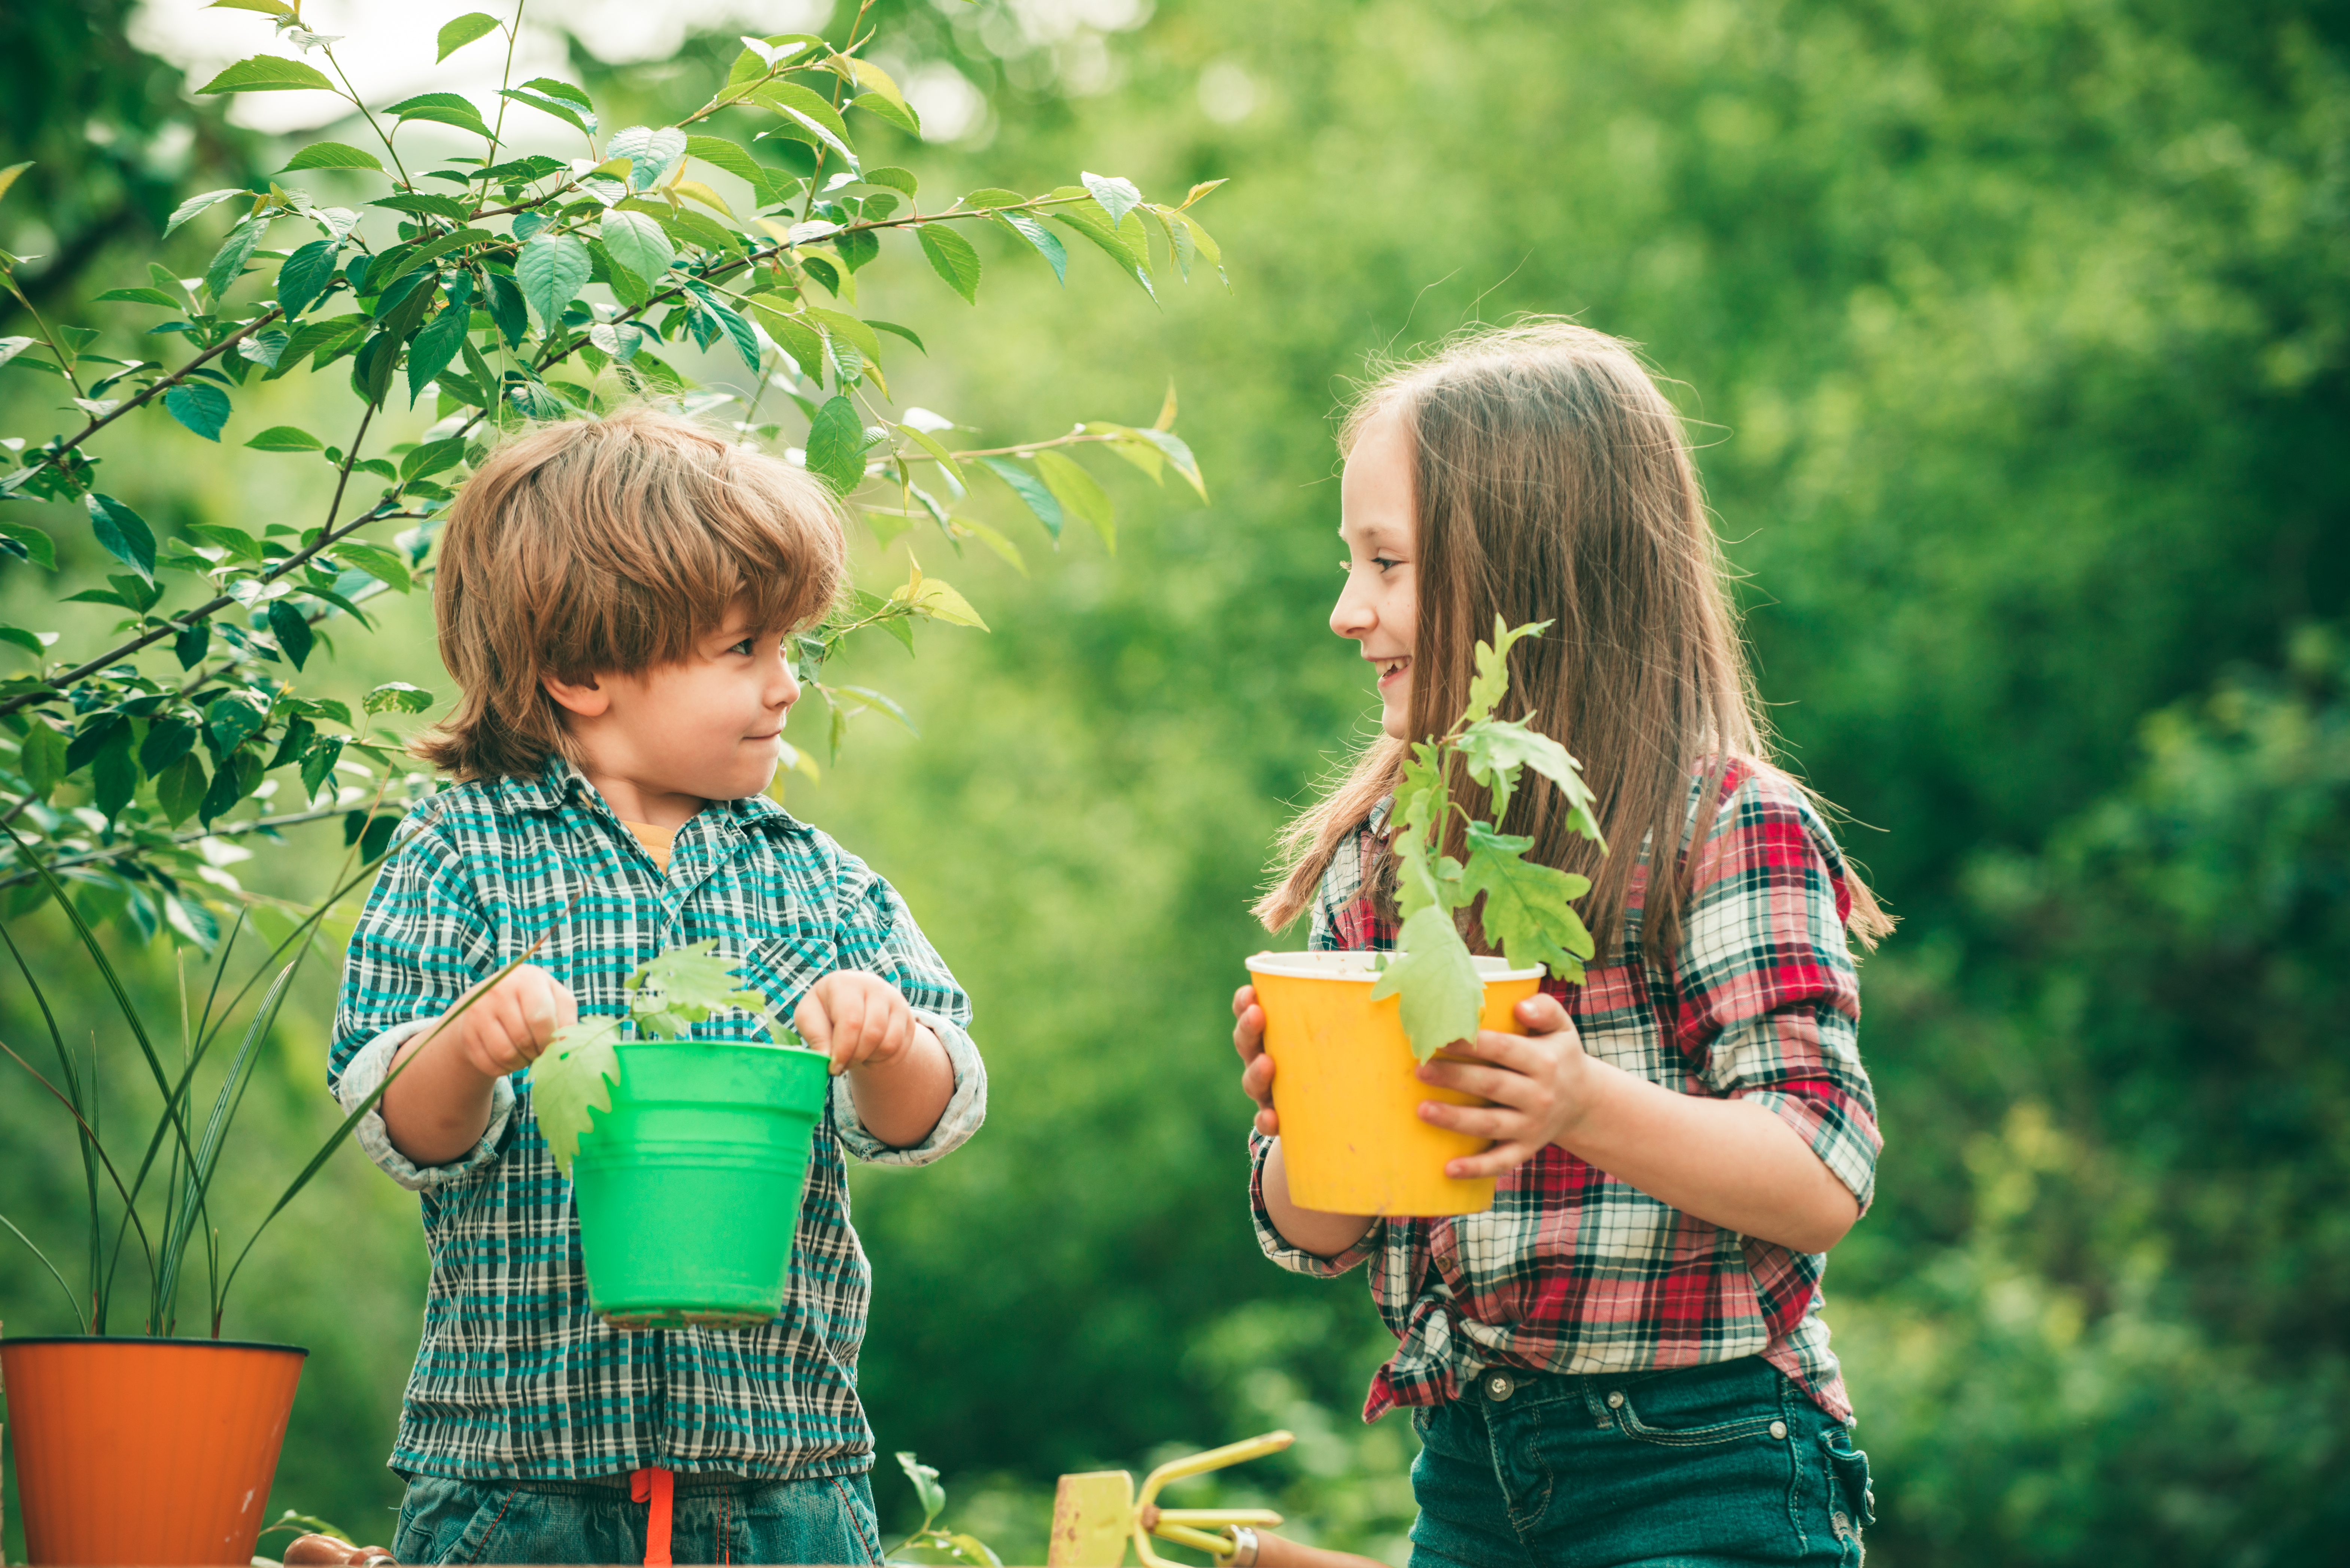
(1624,1360)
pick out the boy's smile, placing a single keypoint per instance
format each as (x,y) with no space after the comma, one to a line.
(660,743)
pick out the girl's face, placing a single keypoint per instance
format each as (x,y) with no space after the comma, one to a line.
(1378,606)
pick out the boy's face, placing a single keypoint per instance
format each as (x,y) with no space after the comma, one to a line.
(708,726)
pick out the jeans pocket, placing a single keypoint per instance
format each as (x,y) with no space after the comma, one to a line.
(1849,1468)
(445,1521)
(1700,1406)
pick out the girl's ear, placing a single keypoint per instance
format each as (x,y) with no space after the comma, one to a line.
(585,698)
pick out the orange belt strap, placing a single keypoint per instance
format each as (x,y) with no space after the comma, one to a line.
(655,1485)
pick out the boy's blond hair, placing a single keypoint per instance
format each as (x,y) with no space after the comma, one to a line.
(610,545)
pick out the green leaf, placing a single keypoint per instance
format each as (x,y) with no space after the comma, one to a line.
(835,445)
(318,763)
(181,787)
(35,643)
(432,458)
(238,776)
(139,297)
(397,697)
(122,532)
(1433,973)
(1025,485)
(332,155)
(506,308)
(1048,244)
(570,1079)
(731,156)
(235,718)
(1081,493)
(807,111)
(1492,681)
(881,106)
(292,629)
(430,352)
(285,438)
(841,324)
(194,204)
(1118,197)
(426,204)
(9,175)
(443,109)
(233,539)
(1178,453)
(168,740)
(202,409)
(901,181)
(1495,751)
(579,118)
(114,774)
(1528,912)
(305,276)
(952,258)
(30,543)
(42,757)
(651,153)
(268,73)
(683,986)
(552,269)
(456,34)
(228,262)
(386,566)
(927,1489)
(637,243)
(1124,243)
(562,90)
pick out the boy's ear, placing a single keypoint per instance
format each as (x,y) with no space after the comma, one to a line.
(583,698)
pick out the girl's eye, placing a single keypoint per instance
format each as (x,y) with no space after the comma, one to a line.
(1385,564)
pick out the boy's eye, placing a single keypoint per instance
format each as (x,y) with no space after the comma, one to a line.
(745,646)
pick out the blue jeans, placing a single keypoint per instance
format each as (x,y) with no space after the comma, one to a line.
(1730,1463)
(828,1520)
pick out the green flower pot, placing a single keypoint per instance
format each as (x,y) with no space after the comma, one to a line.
(689,1187)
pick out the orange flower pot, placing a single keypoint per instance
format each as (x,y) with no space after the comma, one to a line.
(1346,1087)
(148,1452)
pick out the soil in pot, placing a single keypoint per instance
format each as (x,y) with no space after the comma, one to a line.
(150,1451)
(689,1187)
(1346,1088)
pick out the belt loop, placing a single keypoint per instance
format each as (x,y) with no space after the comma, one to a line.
(656,1487)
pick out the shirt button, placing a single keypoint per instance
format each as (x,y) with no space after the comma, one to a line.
(1500,1385)
(1615,1399)
(1778,1428)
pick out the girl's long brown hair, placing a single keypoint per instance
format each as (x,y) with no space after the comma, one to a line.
(1555,482)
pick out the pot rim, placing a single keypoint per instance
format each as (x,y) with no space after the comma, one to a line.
(1354,965)
(12,1340)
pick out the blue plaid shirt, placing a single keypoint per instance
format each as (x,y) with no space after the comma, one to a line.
(516,1377)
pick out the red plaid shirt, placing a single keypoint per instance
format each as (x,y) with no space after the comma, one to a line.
(1572,1271)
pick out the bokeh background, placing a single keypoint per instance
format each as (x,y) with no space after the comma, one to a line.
(2014,337)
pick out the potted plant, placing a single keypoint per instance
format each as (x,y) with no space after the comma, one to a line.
(717,1129)
(134,1445)
(1346,1030)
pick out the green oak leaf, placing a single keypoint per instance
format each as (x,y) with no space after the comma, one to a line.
(1494,751)
(569,1080)
(1529,910)
(685,985)
(1433,972)
(1492,678)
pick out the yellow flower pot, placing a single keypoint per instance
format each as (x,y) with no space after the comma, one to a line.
(1347,1090)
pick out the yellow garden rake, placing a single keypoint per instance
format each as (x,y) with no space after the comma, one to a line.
(1096,1514)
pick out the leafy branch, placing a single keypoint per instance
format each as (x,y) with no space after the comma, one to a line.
(1527,909)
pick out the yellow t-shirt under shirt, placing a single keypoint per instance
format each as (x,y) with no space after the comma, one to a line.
(656,840)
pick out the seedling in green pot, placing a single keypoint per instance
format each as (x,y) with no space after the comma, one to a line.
(1528,912)
(667,995)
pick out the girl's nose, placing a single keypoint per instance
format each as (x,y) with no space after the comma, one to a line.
(1352,616)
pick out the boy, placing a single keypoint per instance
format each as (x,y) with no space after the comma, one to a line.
(615,598)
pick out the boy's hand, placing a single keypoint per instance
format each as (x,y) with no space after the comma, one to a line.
(1539,1082)
(1256,1068)
(858,1020)
(511,1022)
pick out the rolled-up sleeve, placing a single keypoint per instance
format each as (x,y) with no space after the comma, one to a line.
(420,945)
(1276,1246)
(878,935)
(1770,999)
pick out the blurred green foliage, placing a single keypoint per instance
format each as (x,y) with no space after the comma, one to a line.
(2016,334)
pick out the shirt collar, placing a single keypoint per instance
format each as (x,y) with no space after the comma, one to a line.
(559,782)
(1377,821)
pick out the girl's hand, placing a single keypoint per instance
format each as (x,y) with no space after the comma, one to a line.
(510,1023)
(1256,1068)
(1539,1082)
(858,1019)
